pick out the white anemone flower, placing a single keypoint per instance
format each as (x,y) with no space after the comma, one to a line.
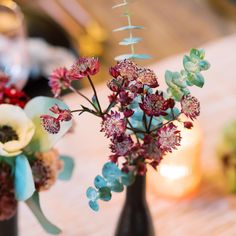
(16,130)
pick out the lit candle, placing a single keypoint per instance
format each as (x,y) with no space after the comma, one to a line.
(179,173)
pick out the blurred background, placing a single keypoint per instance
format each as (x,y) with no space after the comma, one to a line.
(81,27)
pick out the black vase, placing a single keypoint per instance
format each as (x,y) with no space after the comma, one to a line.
(135,218)
(9,227)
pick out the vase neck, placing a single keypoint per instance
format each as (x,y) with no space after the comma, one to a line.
(137,190)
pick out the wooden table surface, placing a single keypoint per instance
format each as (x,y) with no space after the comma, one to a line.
(212,211)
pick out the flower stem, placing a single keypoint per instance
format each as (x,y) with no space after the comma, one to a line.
(95,94)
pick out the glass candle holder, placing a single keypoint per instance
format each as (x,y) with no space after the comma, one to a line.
(13,49)
(179,173)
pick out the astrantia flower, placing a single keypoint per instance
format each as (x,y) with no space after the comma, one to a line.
(113,124)
(147,77)
(126,69)
(168,138)
(121,145)
(85,66)
(190,106)
(63,114)
(151,150)
(50,124)
(153,105)
(59,79)
(45,169)
(116,84)
(16,130)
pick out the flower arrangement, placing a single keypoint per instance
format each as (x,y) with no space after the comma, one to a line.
(28,162)
(140,118)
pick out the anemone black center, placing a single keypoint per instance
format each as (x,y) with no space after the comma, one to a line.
(7,134)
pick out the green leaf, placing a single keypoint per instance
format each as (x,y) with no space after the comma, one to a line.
(23,179)
(197,53)
(129,41)
(169,78)
(196,79)
(95,102)
(179,80)
(176,93)
(68,167)
(204,65)
(132,56)
(105,194)
(128,27)
(34,204)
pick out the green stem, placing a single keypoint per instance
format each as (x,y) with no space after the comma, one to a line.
(95,94)
(150,123)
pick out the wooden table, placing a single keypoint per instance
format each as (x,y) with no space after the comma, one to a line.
(211,212)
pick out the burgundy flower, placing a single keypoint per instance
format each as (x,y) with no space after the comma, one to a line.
(188,124)
(59,79)
(126,69)
(169,103)
(150,149)
(147,77)
(136,88)
(128,112)
(50,124)
(113,125)
(11,95)
(125,98)
(168,138)
(121,145)
(116,84)
(153,104)
(190,106)
(85,66)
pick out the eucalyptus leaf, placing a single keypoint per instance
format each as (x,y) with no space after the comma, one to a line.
(129,41)
(197,53)
(128,27)
(132,56)
(204,65)
(94,205)
(99,182)
(34,204)
(196,79)
(120,5)
(105,194)
(68,167)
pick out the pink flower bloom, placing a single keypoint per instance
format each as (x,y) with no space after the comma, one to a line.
(121,145)
(147,77)
(115,84)
(50,124)
(113,125)
(153,105)
(190,106)
(126,69)
(168,138)
(59,80)
(63,115)
(85,66)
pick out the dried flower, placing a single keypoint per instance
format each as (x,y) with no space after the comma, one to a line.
(85,66)
(45,169)
(168,138)
(153,104)
(190,106)
(147,77)
(8,202)
(113,124)
(59,79)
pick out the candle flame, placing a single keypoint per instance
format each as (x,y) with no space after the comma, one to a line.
(173,172)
